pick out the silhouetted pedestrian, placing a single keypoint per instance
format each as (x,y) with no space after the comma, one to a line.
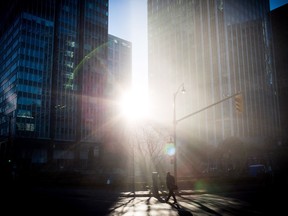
(170,183)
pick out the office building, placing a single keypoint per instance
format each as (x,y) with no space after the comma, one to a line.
(120,66)
(53,75)
(215,49)
(279,19)
(119,81)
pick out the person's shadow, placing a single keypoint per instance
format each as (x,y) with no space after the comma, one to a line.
(181,211)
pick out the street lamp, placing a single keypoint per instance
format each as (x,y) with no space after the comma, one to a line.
(174,127)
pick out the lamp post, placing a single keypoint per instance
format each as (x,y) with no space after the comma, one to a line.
(174,127)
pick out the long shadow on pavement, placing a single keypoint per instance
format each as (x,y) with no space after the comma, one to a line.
(181,210)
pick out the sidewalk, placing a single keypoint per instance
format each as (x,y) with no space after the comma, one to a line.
(148,193)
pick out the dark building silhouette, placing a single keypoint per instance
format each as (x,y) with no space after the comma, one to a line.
(279,18)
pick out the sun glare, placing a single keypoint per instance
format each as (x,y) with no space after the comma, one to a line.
(170,149)
(134,105)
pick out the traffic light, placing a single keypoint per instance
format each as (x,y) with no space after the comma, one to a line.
(239,103)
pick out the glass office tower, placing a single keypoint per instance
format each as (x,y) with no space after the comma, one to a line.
(119,65)
(53,76)
(216,48)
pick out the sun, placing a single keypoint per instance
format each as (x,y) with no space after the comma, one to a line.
(134,105)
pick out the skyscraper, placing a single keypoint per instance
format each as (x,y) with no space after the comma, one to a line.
(120,65)
(214,49)
(53,71)
(279,18)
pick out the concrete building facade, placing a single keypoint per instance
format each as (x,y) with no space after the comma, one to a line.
(214,49)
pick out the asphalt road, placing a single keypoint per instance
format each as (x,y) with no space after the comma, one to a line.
(91,201)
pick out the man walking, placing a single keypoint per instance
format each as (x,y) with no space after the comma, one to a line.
(170,183)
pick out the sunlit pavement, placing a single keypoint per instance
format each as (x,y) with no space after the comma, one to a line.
(197,203)
(189,205)
(142,206)
(89,201)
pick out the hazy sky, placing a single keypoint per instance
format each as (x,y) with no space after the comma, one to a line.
(128,20)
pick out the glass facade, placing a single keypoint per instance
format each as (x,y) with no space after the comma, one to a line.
(53,69)
(120,65)
(217,49)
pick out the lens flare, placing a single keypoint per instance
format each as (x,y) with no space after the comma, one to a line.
(170,149)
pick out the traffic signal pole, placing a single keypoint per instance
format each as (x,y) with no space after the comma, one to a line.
(194,113)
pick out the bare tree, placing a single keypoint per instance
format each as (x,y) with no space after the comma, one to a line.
(147,150)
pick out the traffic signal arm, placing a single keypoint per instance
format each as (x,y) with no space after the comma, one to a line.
(238,96)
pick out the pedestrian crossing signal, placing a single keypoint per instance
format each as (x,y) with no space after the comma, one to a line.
(239,103)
